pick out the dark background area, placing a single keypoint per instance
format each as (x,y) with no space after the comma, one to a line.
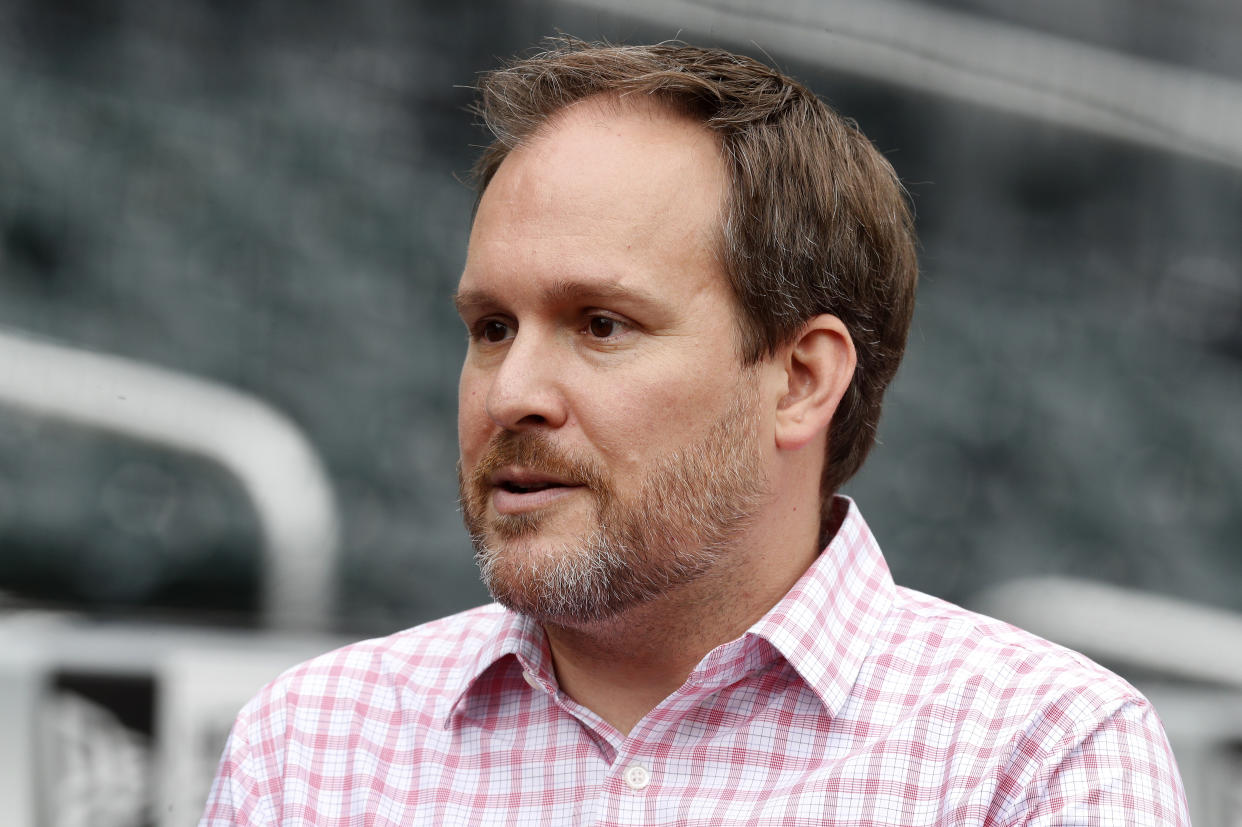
(267,194)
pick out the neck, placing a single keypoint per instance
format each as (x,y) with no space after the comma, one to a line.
(623,667)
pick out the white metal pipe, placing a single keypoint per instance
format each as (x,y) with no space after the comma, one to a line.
(262,448)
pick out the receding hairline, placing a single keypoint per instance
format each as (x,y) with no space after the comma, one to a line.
(656,107)
(655,104)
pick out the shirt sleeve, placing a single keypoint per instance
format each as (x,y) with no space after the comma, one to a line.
(1122,773)
(237,796)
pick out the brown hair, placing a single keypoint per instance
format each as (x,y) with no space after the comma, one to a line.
(815,221)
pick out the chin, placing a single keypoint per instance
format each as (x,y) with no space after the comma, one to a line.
(567,581)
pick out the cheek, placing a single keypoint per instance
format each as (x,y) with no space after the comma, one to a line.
(473,423)
(636,420)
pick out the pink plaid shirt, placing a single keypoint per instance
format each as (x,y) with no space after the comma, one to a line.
(852,702)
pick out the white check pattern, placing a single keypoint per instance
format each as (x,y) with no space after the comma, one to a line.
(852,702)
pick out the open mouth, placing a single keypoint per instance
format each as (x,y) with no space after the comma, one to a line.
(527,488)
(514,480)
(515,490)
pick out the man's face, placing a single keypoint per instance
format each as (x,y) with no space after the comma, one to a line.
(610,438)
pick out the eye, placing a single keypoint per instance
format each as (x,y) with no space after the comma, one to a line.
(602,327)
(493,331)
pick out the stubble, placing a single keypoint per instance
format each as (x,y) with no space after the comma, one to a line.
(690,510)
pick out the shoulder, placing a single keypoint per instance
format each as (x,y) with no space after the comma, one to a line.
(951,637)
(412,671)
(347,711)
(416,654)
(1030,720)
(939,641)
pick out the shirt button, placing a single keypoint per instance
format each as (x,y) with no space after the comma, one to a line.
(532,680)
(636,776)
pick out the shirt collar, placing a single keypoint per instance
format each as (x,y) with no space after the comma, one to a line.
(514,635)
(824,626)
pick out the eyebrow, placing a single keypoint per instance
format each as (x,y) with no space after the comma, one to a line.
(559,291)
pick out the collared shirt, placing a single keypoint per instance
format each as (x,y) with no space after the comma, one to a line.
(851,702)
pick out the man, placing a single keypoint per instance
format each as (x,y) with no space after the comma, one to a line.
(687,286)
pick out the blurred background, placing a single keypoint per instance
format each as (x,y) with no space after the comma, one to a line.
(229,232)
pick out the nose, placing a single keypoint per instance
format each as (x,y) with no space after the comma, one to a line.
(526,390)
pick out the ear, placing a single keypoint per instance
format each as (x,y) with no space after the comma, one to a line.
(818,367)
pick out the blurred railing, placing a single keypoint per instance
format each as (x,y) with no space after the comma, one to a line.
(122,723)
(262,448)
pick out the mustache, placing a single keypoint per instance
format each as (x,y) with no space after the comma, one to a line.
(536,451)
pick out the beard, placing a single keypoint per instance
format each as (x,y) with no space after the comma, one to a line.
(687,515)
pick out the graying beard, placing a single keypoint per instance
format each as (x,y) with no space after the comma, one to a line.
(599,579)
(573,585)
(594,581)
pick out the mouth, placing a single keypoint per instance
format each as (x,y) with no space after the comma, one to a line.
(519,488)
(515,490)
(520,481)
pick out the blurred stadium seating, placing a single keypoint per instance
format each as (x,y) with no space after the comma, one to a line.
(261,195)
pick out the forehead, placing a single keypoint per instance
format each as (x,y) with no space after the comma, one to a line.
(605,187)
